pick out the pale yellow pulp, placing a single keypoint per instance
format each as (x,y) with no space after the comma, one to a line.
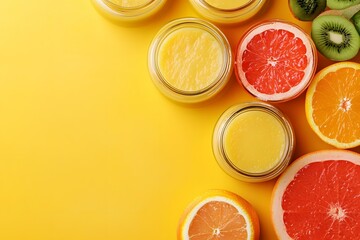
(228,4)
(190,59)
(254,141)
(130,3)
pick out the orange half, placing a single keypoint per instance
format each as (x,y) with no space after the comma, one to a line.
(333,104)
(219,215)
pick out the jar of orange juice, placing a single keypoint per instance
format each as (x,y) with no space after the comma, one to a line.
(253,141)
(128,11)
(190,60)
(228,11)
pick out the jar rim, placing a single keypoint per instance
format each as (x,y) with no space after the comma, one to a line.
(207,5)
(118,7)
(219,133)
(196,23)
(228,16)
(129,14)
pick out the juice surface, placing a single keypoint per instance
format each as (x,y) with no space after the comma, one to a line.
(190,59)
(228,4)
(130,3)
(254,141)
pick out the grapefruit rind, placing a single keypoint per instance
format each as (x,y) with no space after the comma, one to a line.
(309,108)
(287,177)
(309,70)
(243,207)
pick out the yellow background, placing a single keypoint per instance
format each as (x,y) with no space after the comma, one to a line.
(89,149)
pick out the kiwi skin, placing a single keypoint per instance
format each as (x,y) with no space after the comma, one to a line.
(306,10)
(345,47)
(341,4)
(356,20)
(347,12)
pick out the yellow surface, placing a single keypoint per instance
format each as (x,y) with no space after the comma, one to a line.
(89,148)
(190,59)
(227,4)
(254,141)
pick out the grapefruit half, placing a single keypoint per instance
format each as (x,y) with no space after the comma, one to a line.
(318,197)
(275,60)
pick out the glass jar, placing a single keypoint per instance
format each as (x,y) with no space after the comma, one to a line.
(253,142)
(190,60)
(228,11)
(129,11)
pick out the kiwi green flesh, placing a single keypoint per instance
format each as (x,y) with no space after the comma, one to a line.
(335,37)
(341,4)
(356,20)
(306,10)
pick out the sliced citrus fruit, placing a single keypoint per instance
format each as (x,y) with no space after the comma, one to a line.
(332,104)
(318,197)
(219,214)
(275,60)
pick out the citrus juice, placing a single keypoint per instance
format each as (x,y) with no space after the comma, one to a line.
(228,4)
(228,11)
(130,3)
(128,11)
(254,141)
(190,59)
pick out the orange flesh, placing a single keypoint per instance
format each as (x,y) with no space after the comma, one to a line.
(274,61)
(218,220)
(336,105)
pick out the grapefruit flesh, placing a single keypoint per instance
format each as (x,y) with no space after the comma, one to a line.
(275,61)
(318,197)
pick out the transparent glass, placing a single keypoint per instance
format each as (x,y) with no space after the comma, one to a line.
(228,165)
(216,11)
(190,96)
(138,11)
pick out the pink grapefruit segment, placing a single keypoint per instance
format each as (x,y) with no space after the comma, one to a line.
(318,197)
(275,61)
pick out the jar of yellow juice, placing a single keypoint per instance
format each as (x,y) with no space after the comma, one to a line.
(253,142)
(128,10)
(228,11)
(190,60)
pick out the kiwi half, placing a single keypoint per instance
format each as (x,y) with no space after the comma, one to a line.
(307,10)
(341,4)
(356,20)
(335,37)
